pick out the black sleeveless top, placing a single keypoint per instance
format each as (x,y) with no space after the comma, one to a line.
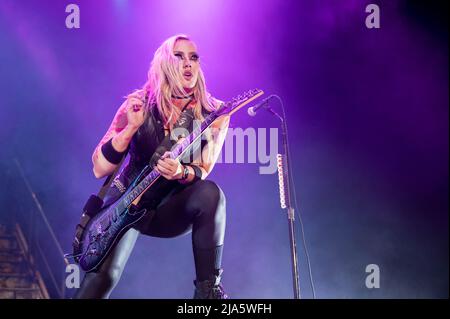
(147,138)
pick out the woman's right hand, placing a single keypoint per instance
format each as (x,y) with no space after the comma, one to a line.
(135,112)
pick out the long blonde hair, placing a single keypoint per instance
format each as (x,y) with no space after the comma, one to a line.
(163,81)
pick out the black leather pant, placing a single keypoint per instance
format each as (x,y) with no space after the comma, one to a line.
(198,208)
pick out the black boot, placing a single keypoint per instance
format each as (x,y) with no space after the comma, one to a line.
(210,288)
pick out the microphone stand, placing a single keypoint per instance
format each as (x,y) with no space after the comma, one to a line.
(285,199)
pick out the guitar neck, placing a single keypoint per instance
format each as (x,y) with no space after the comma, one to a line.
(178,151)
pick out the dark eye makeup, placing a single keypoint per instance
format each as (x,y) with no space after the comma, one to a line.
(194,57)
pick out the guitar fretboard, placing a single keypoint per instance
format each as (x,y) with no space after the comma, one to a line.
(180,148)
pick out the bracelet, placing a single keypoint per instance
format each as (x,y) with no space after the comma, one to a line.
(185,172)
(198,173)
(111,154)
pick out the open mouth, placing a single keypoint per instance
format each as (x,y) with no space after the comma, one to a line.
(187,75)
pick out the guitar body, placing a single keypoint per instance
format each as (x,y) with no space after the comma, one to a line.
(105,229)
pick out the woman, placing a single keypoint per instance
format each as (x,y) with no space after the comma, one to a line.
(186,202)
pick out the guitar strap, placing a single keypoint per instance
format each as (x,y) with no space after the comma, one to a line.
(90,209)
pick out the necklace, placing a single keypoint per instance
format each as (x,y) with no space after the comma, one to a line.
(182,97)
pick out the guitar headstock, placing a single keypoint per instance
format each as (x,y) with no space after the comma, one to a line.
(239,101)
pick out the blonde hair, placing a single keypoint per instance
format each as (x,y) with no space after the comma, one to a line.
(164,81)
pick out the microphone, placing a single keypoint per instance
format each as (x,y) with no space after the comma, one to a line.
(252,110)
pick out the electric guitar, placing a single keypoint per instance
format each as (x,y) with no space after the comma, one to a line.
(105,229)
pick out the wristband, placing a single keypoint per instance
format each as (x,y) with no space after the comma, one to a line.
(111,154)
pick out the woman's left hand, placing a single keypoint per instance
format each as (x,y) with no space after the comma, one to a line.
(169,168)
